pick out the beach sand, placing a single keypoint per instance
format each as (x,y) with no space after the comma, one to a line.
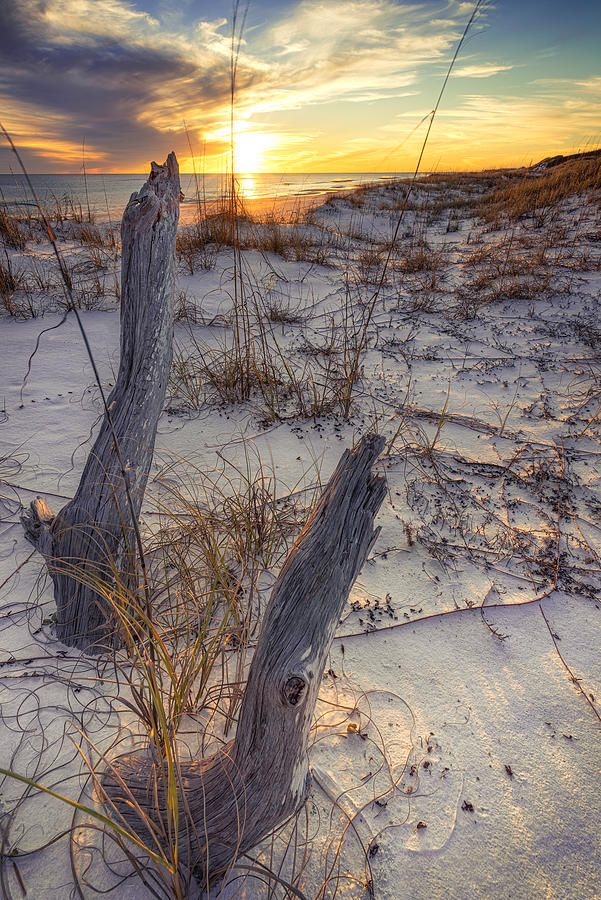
(456,752)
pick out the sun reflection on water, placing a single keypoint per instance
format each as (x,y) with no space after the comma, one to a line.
(247,186)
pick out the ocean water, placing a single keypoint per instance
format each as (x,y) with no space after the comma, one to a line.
(108,194)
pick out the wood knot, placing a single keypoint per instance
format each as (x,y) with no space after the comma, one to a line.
(293,690)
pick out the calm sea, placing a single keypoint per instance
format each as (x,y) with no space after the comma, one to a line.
(107,195)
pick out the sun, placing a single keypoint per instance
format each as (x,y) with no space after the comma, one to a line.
(250,151)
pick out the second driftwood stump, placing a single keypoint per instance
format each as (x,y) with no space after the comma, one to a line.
(230,801)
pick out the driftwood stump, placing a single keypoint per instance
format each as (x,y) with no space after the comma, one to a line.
(233,799)
(92,538)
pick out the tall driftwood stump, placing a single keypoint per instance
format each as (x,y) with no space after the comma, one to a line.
(93,535)
(230,801)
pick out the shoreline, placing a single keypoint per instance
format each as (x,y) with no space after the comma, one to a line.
(106,197)
(284,209)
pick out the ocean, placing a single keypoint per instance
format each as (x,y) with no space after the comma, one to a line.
(108,194)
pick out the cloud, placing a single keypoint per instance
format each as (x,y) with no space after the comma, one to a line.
(593,84)
(351,51)
(102,69)
(484,71)
(127,79)
(85,19)
(479,127)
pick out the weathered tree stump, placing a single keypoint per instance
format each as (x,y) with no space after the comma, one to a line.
(92,538)
(233,799)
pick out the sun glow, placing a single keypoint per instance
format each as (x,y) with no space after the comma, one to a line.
(251,150)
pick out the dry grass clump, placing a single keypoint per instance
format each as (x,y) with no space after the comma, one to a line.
(224,372)
(227,224)
(276,237)
(92,236)
(319,379)
(246,362)
(369,265)
(12,233)
(293,241)
(27,292)
(515,267)
(365,197)
(67,209)
(27,289)
(489,288)
(196,246)
(95,237)
(435,195)
(11,281)
(418,257)
(28,286)
(532,241)
(499,196)
(227,373)
(538,195)
(419,269)
(22,223)
(282,309)
(230,517)
(188,309)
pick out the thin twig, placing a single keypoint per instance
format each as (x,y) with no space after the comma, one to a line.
(567,668)
(19,567)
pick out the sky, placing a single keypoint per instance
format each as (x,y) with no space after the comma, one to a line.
(320,85)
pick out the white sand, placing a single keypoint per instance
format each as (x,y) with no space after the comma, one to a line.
(489,744)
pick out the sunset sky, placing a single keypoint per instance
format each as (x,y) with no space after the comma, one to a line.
(331,86)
